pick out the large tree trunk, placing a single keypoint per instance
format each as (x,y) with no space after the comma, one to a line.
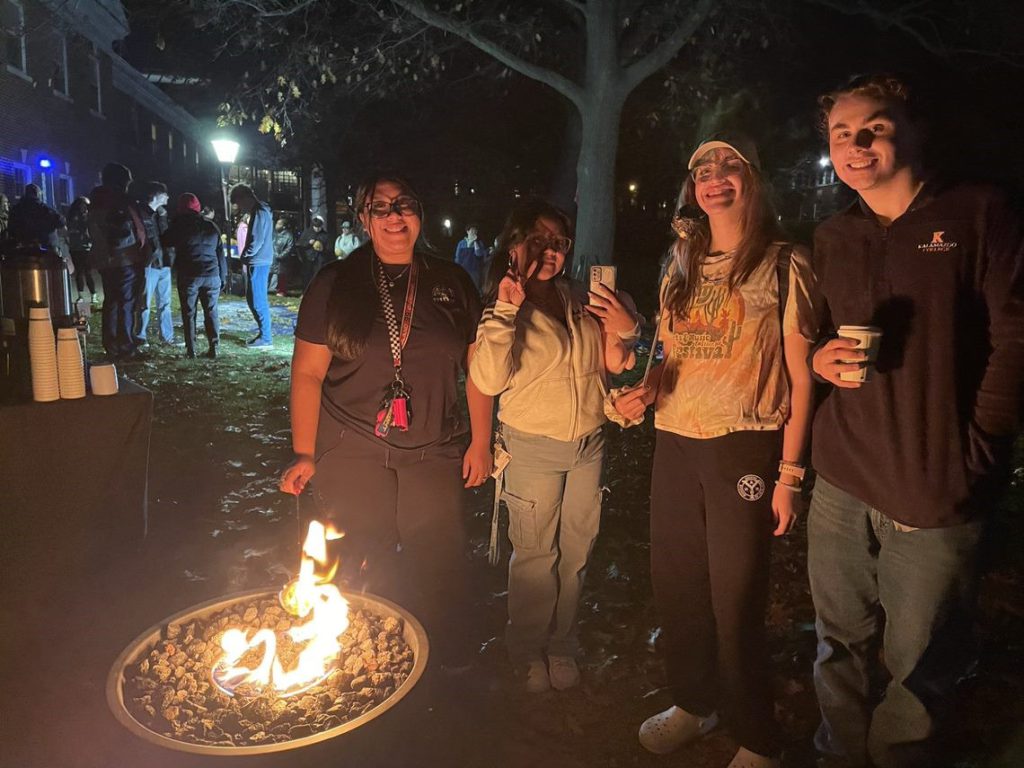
(600,111)
(595,217)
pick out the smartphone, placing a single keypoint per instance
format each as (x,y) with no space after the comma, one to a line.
(602,276)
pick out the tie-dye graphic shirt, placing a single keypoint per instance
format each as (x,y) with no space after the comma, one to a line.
(725,371)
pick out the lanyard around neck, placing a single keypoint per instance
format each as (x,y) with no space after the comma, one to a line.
(398,337)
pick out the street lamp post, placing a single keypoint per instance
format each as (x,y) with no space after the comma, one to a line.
(226,151)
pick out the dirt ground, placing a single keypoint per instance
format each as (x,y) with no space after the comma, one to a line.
(218,525)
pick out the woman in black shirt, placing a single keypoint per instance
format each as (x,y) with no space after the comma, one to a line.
(380,341)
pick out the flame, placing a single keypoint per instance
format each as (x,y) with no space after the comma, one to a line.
(310,594)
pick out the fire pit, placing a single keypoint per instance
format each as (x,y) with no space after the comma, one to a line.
(265,671)
(343,701)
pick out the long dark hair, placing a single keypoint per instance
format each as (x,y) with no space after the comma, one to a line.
(518,226)
(760,228)
(352,305)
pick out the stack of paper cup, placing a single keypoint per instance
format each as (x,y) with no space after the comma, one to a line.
(103,379)
(42,355)
(70,369)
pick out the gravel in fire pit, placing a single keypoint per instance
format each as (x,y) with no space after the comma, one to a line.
(169,689)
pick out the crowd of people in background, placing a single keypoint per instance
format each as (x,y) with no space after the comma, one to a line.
(125,242)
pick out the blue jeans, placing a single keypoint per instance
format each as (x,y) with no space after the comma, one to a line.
(158,281)
(910,592)
(257,279)
(553,493)
(120,289)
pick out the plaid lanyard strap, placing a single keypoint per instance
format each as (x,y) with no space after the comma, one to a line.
(395,410)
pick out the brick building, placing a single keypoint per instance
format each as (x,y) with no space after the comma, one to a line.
(69,104)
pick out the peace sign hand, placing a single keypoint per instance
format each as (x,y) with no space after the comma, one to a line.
(512,288)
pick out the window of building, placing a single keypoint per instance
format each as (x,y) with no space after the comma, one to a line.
(59,78)
(170,145)
(12,18)
(197,157)
(63,190)
(184,150)
(13,178)
(285,183)
(152,138)
(95,81)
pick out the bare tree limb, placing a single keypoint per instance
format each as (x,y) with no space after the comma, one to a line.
(666,50)
(559,82)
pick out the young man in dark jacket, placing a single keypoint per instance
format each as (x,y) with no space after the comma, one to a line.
(158,267)
(202,270)
(257,257)
(908,460)
(119,253)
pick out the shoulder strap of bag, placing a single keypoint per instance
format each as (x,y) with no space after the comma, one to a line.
(783,261)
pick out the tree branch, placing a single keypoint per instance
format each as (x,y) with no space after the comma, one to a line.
(560,83)
(666,50)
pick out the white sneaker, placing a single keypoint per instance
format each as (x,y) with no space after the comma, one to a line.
(667,731)
(563,671)
(744,758)
(537,677)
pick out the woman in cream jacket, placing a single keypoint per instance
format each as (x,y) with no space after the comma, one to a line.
(545,352)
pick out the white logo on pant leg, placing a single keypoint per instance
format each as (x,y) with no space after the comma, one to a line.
(750,487)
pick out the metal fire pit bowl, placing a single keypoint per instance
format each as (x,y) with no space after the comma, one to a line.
(413,634)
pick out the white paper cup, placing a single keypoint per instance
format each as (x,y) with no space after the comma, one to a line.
(869,339)
(103,378)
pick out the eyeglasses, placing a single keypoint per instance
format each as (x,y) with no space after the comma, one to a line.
(403,206)
(559,243)
(704,173)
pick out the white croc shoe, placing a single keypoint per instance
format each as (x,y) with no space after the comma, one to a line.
(537,677)
(667,731)
(744,758)
(563,671)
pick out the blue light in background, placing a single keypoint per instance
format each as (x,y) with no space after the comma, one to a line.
(45,162)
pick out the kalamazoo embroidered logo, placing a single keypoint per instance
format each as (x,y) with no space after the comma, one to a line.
(442,294)
(750,487)
(938,244)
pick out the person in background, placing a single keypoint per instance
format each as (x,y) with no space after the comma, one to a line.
(347,241)
(547,359)
(80,245)
(119,253)
(257,256)
(157,284)
(739,312)
(910,462)
(208,213)
(393,481)
(5,215)
(202,271)
(471,255)
(33,221)
(312,249)
(284,242)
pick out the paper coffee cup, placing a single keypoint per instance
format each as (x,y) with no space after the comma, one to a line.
(869,339)
(103,379)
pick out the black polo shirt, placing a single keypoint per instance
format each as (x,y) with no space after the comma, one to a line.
(925,441)
(444,325)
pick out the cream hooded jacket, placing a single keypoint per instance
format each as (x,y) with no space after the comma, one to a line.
(549,378)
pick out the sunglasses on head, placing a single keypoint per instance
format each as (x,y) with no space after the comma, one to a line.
(403,206)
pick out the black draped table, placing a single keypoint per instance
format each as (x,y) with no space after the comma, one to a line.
(73,482)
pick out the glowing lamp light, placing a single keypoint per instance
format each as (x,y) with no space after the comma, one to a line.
(824,162)
(225,149)
(633,187)
(45,162)
(447,224)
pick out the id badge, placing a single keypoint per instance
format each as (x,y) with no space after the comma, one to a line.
(501,460)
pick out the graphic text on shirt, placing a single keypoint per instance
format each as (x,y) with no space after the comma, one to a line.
(712,326)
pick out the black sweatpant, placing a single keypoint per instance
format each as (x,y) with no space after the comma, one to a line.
(402,515)
(206,291)
(711,529)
